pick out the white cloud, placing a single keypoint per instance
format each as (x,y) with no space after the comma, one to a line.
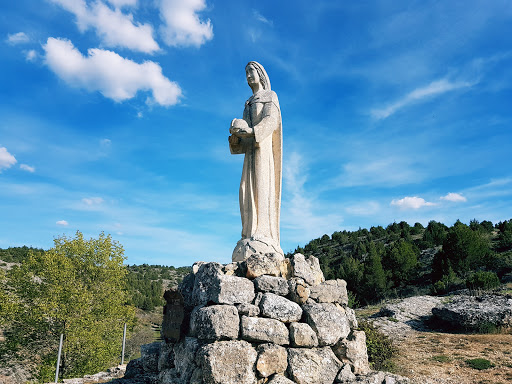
(105,71)
(17,38)
(31,55)
(368,208)
(62,223)
(27,168)
(6,159)
(92,201)
(454,197)
(105,143)
(433,89)
(182,26)
(115,28)
(411,203)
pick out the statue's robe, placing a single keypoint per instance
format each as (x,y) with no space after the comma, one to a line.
(260,187)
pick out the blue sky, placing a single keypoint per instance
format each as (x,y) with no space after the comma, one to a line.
(115,118)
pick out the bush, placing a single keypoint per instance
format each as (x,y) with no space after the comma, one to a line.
(380,347)
(483,280)
(480,364)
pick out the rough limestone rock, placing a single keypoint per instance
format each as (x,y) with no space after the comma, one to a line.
(216,322)
(299,290)
(313,366)
(280,379)
(166,357)
(352,350)
(228,362)
(248,309)
(134,368)
(267,264)
(302,335)
(351,316)
(377,378)
(211,285)
(476,312)
(264,330)
(307,269)
(271,359)
(273,284)
(149,355)
(345,375)
(279,308)
(185,357)
(328,321)
(330,291)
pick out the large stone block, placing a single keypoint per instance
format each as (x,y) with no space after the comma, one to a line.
(248,309)
(279,308)
(174,314)
(216,322)
(302,335)
(166,357)
(271,359)
(264,330)
(328,321)
(313,366)
(280,379)
(330,291)
(211,285)
(273,284)
(185,357)
(228,362)
(307,269)
(352,350)
(264,264)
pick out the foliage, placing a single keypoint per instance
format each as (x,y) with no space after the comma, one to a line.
(401,260)
(480,364)
(483,280)
(18,254)
(380,347)
(77,288)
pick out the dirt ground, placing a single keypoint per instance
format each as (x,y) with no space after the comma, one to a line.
(427,357)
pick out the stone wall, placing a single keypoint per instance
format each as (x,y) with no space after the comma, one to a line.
(264,320)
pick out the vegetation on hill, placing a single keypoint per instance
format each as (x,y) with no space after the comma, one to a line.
(401,260)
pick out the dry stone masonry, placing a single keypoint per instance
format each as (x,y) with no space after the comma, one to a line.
(260,322)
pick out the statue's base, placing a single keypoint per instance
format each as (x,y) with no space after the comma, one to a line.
(250,246)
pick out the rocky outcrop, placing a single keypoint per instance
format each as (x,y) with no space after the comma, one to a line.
(258,321)
(476,313)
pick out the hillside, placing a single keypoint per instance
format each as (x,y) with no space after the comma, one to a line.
(404,260)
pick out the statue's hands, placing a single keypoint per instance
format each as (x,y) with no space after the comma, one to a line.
(240,128)
(233,140)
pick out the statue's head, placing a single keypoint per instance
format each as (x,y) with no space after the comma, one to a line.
(253,69)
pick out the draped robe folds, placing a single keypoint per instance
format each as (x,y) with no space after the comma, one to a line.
(260,186)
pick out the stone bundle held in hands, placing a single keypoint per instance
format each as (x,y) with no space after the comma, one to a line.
(266,319)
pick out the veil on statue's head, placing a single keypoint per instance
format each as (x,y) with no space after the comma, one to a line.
(264,80)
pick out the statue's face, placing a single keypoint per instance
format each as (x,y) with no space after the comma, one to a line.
(252,75)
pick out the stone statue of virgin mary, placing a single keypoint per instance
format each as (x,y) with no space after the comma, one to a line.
(258,135)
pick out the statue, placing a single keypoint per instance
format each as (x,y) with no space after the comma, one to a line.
(258,135)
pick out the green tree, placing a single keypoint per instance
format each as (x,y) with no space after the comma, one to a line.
(401,260)
(375,281)
(77,288)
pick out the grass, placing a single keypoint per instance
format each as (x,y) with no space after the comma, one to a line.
(441,358)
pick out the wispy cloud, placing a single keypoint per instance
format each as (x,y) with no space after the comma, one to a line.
(105,71)
(90,201)
(31,55)
(123,3)
(433,89)
(62,223)
(304,218)
(368,208)
(6,159)
(182,25)
(17,38)
(258,16)
(411,203)
(454,197)
(27,168)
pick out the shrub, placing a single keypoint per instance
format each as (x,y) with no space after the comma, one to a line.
(483,280)
(480,364)
(380,347)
